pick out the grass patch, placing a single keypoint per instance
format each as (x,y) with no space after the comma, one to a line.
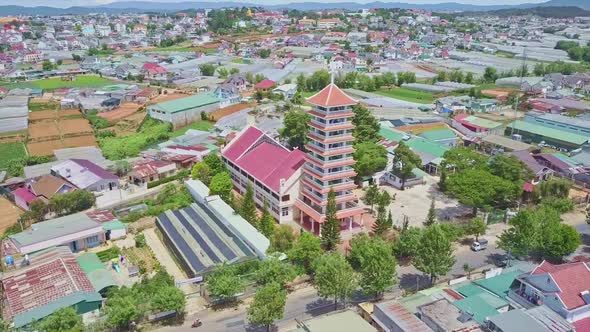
(33,107)
(412,96)
(199,125)
(238,61)
(108,254)
(152,132)
(82,81)
(503,54)
(488,86)
(11,151)
(308,94)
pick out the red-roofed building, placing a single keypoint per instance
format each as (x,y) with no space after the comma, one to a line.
(153,170)
(274,172)
(265,85)
(329,162)
(154,71)
(563,288)
(52,281)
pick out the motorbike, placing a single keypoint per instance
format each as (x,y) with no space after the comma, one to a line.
(197,323)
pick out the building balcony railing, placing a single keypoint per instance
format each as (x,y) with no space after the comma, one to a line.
(329,151)
(331,127)
(345,185)
(330,163)
(327,176)
(332,114)
(330,139)
(522,299)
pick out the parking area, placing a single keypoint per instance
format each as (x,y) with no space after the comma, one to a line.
(414,203)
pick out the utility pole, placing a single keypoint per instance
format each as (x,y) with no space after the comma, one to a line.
(520,85)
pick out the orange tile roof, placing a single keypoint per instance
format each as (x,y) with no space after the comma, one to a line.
(331,96)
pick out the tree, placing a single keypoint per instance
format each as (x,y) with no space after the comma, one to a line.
(468,269)
(248,208)
(305,251)
(207,69)
(295,128)
(215,164)
(234,71)
(71,202)
(366,126)
(408,242)
(469,78)
(520,239)
(63,320)
(404,162)
(431,216)
(371,195)
(222,185)
(588,213)
(47,65)
(490,75)
(267,222)
(463,158)
(331,227)
(264,53)
(477,227)
(222,72)
(435,253)
(282,239)
(479,188)
(274,271)
(334,277)
(168,298)
(381,225)
(268,305)
(223,283)
(370,158)
(121,310)
(202,172)
(122,167)
(373,258)
(509,168)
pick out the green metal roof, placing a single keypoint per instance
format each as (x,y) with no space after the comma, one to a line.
(46,310)
(113,225)
(432,148)
(439,134)
(469,290)
(392,135)
(187,103)
(96,271)
(548,132)
(484,123)
(55,228)
(566,159)
(500,284)
(482,306)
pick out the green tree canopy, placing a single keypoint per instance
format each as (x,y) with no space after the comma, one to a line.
(207,69)
(404,162)
(275,271)
(435,253)
(305,251)
(373,259)
(266,222)
(71,202)
(463,158)
(295,128)
(222,185)
(330,228)
(366,126)
(408,242)
(169,298)
(370,158)
(202,172)
(63,320)
(282,239)
(334,277)
(268,305)
(215,163)
(224,283)
(510,168)
(248,209)
(477,227)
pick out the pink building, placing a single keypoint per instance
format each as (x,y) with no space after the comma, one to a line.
(329,162)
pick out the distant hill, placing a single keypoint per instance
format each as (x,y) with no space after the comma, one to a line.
(169,7)
(554,12)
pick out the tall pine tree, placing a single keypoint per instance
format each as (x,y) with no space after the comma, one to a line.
(248,208)
(267,222)
(331,226)
(431,217)
(381,225)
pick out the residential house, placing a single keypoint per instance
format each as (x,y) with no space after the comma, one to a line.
(41,188)
(287,90)
(154,71)
(237,81)
(153,170)
(563,288)
(48,281)
(255,159)
(228,94)
(540,171)
(86,175)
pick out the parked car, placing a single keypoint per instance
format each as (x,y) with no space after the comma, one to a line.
(502,261)
(479,245)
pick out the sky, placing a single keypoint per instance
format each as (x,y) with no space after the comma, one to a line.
(69,3)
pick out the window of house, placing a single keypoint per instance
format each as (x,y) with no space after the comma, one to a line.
(284,211)
(92,241)
(285,198)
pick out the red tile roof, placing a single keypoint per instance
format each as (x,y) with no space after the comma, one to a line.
(264,159)
(583,325)
(265,84)
(154,68)
(53,275)
(25,195)
(572,279)
(331,96)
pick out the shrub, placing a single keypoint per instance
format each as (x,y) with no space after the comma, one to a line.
(140,241)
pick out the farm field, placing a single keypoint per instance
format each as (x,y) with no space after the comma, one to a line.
(124,110)
(74,126)
(408,95)
(10,214)
(216,115)
(199,125)
(82,81)
(43,129)
(9,151)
